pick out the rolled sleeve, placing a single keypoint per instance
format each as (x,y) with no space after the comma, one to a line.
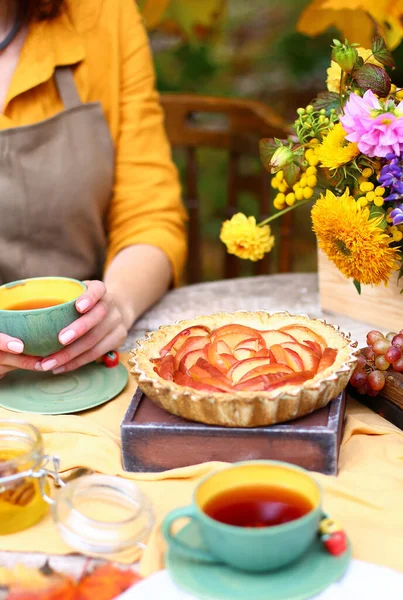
(146,207)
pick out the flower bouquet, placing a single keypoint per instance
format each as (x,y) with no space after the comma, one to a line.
(345,156)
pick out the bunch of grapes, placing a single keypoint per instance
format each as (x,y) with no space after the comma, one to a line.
(383,352)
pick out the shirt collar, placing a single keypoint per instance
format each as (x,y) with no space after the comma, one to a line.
(48,44)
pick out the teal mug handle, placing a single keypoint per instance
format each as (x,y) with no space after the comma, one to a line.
(195,553)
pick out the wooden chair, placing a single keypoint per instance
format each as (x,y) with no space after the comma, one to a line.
(241,123)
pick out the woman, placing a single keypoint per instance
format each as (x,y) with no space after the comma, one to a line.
(87,186)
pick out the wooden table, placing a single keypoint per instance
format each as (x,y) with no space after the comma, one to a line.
(296,293)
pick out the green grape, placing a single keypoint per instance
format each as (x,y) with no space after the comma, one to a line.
(389,336)
(381,363)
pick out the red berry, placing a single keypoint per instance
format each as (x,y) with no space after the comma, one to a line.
(111,359)
(336,544)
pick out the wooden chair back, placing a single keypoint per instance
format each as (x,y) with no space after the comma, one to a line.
(236,126)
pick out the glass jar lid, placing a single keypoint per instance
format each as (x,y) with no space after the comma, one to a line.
(103,515)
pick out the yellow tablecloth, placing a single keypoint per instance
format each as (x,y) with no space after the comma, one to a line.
(366,497)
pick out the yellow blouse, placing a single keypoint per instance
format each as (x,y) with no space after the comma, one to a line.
(106,42)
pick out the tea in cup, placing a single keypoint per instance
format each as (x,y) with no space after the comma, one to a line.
(254,516)
(36,310)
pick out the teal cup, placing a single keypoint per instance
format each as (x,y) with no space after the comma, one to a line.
(36,310)
(248,548)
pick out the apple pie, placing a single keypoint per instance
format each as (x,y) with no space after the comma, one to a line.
(244,369)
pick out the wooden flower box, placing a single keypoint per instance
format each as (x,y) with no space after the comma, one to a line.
(379,306)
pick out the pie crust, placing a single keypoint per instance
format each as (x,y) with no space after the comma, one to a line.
(244,409)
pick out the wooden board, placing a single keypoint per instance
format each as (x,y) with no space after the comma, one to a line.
(378,305)
(153,440)
(389,403)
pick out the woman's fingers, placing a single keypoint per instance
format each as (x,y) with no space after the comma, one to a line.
(96,290)
(4,370)
(111,325)
(11,344)
(84,324)
(108,343)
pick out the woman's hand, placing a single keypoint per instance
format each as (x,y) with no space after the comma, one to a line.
(101,328)
(12,357)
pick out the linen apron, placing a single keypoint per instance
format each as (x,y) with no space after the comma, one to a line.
(56,182)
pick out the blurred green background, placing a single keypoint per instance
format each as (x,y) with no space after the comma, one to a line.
(255,53)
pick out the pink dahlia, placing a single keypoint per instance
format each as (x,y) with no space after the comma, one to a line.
(376,127)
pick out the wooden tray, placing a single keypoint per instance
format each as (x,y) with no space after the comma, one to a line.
(153,440)
(389,404)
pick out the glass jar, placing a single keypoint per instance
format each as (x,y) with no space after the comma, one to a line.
(23,486)
(104,516)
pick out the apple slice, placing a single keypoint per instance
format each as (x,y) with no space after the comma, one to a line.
(288,357)
(315,347)
(267,370)
(176,342)
(193,343)
(182,379)
(203,376)
(251,343)
(275,336)
(244,353)
(205,365)
(222,362)
(234,334)
(191,359)
(256,384)
(165,367)
(291,379)
(328,358)
(302,333)
(244,366)
(222,347)
(309,358)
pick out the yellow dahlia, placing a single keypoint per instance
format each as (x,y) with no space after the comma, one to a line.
(356,244)
(244,238)
(335,150)
(334,71)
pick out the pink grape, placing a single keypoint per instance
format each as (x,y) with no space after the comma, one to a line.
(376,380)
(398,341)
(393,354)
(358,378)
(374,335)
(361,361)
(398,366)
(369,353)
(381,363)
(381,346)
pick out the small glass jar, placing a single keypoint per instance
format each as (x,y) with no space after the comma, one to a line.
(104,516)
(100,515)
(23,485)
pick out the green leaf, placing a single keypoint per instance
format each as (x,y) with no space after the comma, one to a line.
(372,77)
(400,275)
(357,285)
(327,100)
(267,148)
(381,52)
(291,173)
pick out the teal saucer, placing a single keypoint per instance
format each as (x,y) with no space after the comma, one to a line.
(48,394)
(302,579)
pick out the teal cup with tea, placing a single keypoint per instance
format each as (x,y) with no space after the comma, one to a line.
(36,310)
(254,516)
